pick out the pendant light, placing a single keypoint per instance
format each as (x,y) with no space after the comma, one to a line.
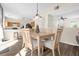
(37,16)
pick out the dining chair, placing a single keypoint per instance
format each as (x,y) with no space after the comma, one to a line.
(53,44)
(28,42)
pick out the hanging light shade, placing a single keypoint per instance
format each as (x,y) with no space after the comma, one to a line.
(37,16)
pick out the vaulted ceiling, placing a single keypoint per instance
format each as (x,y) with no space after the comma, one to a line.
(24,9)
(28,10)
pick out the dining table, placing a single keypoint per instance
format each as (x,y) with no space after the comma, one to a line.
(41,36)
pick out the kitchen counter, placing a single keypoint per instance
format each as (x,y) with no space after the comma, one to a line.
(9,33)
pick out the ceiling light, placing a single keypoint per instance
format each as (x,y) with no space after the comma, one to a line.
(57,7)
(37,16)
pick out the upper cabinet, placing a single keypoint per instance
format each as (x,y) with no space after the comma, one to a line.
(10,23)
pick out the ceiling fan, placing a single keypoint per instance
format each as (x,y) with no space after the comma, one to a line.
(56,7)
(63,18)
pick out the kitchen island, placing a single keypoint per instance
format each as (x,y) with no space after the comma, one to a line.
(11,34)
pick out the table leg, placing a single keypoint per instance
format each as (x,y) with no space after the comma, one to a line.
(53,38)
(38,46)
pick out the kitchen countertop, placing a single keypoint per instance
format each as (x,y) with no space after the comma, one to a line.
(10,33)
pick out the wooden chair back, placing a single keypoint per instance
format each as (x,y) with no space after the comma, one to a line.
(26,34)
(58,35)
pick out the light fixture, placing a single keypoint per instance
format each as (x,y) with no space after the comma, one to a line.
(57,7)
(37,16)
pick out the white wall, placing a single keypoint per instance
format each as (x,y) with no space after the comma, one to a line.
(52,21)
(72,23)
(40,22)
(66,10)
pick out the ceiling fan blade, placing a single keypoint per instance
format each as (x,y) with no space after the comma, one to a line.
(65,18)
(57,7)
(62,18)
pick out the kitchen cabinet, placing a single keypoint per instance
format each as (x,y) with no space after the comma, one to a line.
(10,23)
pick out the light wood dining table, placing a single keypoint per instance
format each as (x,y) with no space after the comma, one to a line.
(40,36)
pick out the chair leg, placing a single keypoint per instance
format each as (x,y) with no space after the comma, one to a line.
(31,52)
(59,49)
(53,52)
(42,50)
(23,45)
(19,53)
